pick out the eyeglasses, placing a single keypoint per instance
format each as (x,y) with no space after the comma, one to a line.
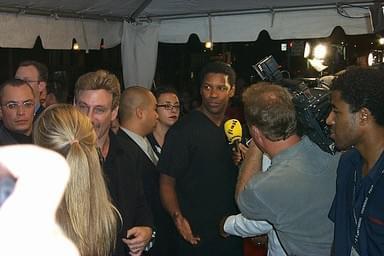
(15,105)
(32,81)
(168,106)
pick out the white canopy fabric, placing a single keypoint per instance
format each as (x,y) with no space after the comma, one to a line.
(246,27)
(171,21)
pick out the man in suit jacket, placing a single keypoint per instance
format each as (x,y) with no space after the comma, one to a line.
(97,95)
(138,118)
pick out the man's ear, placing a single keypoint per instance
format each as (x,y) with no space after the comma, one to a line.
(256,134)
(139,113)
(42,85)
(232,91)
(114,113)
(364,115)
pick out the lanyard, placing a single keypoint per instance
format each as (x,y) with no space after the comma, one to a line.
(363,207)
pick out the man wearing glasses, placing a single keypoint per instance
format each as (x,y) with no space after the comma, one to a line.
(35,74)
(17,109)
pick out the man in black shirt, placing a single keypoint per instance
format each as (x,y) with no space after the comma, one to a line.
(198,177)
(17,109)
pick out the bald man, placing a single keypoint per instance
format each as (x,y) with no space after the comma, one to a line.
(138,118)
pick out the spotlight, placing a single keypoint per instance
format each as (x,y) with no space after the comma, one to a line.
(317,52)
(209,45)
(75,45)
(316,56)
(381,40)
(375,57)
(320,51)
(307,50)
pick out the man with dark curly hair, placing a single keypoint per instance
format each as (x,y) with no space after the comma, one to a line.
(357,124)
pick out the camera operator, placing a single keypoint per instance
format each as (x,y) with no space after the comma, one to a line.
(295,194)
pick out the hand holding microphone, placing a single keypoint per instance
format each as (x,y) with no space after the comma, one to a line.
(233,131)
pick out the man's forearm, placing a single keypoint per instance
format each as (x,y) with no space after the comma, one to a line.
(238,225)
(251,165)
(168,195)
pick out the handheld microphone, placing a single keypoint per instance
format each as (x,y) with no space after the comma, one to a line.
(234,132)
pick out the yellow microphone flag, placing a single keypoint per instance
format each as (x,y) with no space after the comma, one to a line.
(233,130)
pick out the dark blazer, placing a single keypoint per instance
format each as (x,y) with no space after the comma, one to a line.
(150,178)
(148,171)
(126,189)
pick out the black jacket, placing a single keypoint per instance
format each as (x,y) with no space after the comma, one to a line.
(126,189)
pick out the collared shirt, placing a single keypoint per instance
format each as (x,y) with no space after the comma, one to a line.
(294,195)
(371,238)
(143,144)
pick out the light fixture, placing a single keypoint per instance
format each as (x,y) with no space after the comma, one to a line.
(316,56)
(209,43)
(317,52)
(283,47)
(381,40)
(320,51)
(307,50)
(371,59)
(375,57)
(75,45)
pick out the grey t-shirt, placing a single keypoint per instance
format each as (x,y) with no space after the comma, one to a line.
(295,196)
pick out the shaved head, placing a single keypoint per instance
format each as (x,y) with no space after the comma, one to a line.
(132,98)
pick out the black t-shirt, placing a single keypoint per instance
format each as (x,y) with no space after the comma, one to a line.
(198,156)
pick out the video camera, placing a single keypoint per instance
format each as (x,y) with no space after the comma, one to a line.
(312,104)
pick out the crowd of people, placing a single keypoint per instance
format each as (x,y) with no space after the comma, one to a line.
(145,181)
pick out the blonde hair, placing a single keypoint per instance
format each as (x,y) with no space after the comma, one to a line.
(85,213)
(99,80)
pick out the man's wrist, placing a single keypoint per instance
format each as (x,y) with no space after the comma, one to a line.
(176,215)
(151,242)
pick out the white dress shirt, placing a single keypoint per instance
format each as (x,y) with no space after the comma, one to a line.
(143,143)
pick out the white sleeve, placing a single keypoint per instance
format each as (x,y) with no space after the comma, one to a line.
(238,225)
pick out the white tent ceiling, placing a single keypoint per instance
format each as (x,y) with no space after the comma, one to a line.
(140,24)
(57,22)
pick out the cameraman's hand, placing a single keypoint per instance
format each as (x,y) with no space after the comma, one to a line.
(185,230)
(27,217)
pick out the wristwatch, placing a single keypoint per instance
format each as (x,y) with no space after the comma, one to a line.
(151,242)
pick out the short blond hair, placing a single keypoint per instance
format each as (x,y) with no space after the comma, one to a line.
(98,80)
